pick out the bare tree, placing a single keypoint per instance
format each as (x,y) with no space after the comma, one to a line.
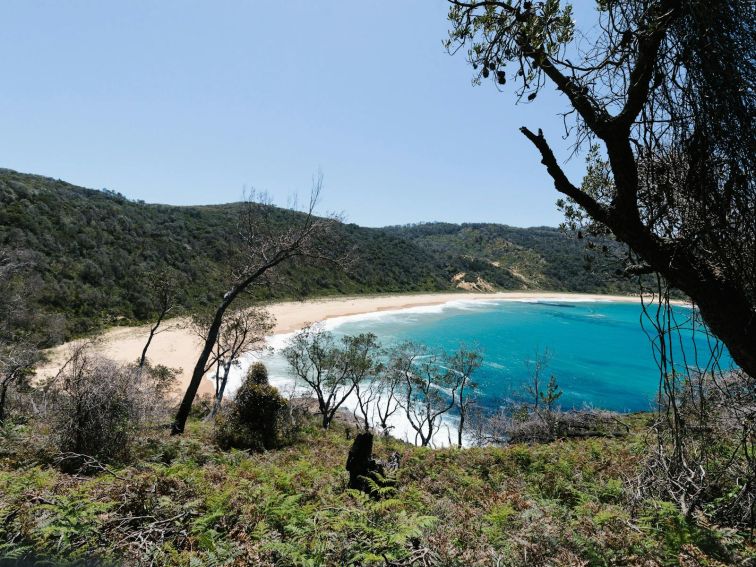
(243,331)
(429,389)
(96,407)
(16,362)
(267,244)
(534,388)
(463,363)
(387,388)
(163,286)
(673,175)
(331,371)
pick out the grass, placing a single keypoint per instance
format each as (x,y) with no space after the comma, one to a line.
(187,503)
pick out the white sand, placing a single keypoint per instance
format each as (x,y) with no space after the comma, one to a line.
(175,346)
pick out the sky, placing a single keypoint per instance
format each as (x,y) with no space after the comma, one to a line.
(185,102)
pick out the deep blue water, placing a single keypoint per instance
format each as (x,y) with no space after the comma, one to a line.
(598,351)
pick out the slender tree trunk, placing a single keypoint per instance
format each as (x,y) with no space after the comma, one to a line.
(153,330)
(221,390)
(217,378)
(199,369)
(462,412)
(461,426)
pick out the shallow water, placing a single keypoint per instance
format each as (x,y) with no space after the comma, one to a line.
(598,351)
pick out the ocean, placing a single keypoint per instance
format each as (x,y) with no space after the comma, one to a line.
(598,351)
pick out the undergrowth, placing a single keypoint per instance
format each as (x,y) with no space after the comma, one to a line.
(188,503)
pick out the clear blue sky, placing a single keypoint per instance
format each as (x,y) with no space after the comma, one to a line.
(187,102)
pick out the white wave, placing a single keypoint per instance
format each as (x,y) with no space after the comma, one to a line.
(280,376)
(401,313)
(333,322)
(559,299)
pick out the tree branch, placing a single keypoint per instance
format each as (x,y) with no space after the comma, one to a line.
(595,117)
(561,182)
(660,16)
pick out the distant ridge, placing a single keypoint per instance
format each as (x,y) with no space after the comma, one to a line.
(91,249)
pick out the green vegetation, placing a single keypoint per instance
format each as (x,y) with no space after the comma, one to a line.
(258,417)
(188,503)
(521,258)
(670,167)
(93,253)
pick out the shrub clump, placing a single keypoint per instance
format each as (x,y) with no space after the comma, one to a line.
(258,374)
(97,408)
(257,419)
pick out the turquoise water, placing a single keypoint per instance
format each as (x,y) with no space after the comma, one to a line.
(598,351)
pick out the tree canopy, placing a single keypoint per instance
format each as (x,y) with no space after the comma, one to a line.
(662,93)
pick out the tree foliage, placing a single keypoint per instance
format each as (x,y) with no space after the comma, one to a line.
(243,331)
(332,369)
(665,89)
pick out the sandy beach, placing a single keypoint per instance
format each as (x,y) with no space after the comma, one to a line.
(177,347)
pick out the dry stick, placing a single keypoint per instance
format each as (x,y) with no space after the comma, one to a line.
(88,462)
(153,332)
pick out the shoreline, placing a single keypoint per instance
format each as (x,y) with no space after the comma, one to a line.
(176,347)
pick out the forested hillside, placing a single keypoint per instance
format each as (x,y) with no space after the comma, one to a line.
(520,258)
(91,251)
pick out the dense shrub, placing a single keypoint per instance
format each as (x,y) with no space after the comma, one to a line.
(97,408)
(257,373)
(95,414)
(258,417)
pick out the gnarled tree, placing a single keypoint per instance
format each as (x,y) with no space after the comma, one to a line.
(243,331)
(333,369)
(163,287)
(267,244)
(665,92)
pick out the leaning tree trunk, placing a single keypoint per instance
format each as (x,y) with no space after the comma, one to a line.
(200,368)
(153,331)
(185,408)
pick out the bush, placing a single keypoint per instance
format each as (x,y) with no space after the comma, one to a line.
(257,374)
(257,418)
(99,407)
(94,414)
